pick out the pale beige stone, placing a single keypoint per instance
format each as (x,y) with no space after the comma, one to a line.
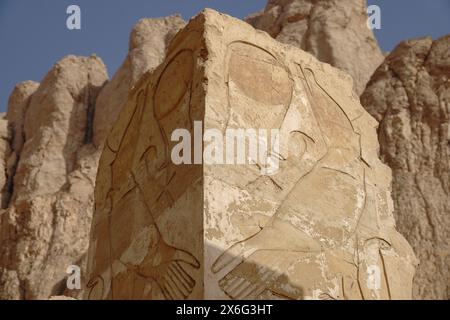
(50,179)
(147,49)
(50,162)
(61,298)
(4,150)
(334,31)
(410,95)
(17,105)
(318,228)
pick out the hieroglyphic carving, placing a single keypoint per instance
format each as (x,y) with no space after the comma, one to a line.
(279,251)
(163,263)
(320,227)
(144,186)
(327,228)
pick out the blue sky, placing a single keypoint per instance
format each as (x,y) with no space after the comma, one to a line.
(33,33)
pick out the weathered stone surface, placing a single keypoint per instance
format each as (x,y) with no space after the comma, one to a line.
(50,162)
(17,104)
(410,96)
(334,31)
(61,298)
(147,48)
(320,227)
(4,149)
(51,167)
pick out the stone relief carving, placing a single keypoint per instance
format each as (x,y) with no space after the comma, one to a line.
(145,184)
(320,227)
(316,227)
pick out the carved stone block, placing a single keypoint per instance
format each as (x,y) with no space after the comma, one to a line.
(316,225)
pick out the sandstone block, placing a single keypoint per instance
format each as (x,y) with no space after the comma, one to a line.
(310,217)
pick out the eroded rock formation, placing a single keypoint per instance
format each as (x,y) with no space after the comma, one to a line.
(50,142)
(4,149)
(410,96)
(334,31)
(50,178)
(318,227)
(147,49)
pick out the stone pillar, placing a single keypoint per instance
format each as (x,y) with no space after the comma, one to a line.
(279,195)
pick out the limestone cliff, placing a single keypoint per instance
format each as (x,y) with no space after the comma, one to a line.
(410,96)
(334,31)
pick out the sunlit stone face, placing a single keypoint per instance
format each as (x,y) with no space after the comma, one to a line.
(260,89)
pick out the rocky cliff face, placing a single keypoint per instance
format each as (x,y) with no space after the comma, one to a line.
(410,96)
(50,142)
(50,177)
(4,148)
(334,31)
